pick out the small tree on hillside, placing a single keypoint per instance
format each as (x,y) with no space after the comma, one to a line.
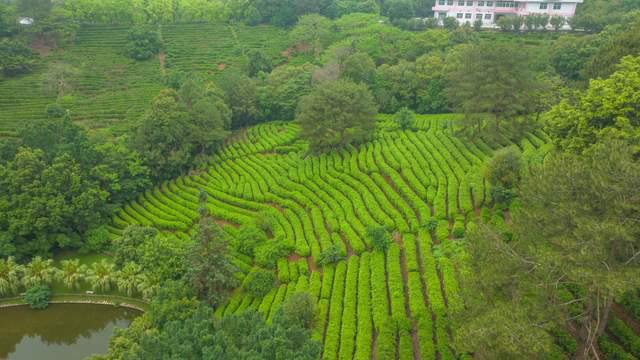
(143,43)
(336,114)
(557,22)
(503,173)
(405,118)
(379,237)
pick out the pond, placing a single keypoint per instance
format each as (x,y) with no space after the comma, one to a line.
(63,331)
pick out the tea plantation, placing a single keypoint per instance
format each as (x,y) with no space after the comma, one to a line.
(372,302)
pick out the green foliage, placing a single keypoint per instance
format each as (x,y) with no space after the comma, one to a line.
(268,253)
(282,90)
(503,170)
(379,238)
(298,311)
(143,43)
(359,68)
(331,255)
(491,78)
(258,282)
(337,114)
(38,297)
(15,58)
(405,118)
(605,110)
(210,271)
(258,63)
(249,237)
(595,15)
(313,31)
(10,273)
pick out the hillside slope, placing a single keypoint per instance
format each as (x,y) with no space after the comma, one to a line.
(400,180)
(109,90)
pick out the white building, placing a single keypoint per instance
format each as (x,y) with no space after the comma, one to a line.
(490,11)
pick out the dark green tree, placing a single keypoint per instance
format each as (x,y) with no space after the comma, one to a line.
(405,118)
(492,79)
(211,273)
(337,114)
(143,42)
(359,68)
(15,58)
(379,238)
(258,62)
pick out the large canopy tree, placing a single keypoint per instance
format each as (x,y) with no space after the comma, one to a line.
(337,113)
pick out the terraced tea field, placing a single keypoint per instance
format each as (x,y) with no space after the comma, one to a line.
(392,304)
(109,90)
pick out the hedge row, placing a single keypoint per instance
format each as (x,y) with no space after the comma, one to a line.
(349,312)
(365,324)
(332,337)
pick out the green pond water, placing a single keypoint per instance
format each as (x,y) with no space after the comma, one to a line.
(63,331)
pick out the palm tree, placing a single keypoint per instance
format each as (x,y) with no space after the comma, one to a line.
(129,279)
(71,273)
(148,286)
(101,276)
(9,276)
(38,272)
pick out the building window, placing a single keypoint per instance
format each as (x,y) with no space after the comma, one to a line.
(487,16)
(557,6)
(450,2)
(467,16)
(478,16)
(507,4)
(480,3)
(489,3)
(442,15)
(460,2)
(441,2)
(543,6)
(459,15)
(469,3)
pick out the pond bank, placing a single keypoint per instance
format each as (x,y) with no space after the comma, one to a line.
(121,301)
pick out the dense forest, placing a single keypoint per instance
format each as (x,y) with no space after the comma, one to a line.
(325,179)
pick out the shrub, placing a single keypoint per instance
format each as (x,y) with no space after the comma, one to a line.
(15,58)
(38,297)
(54,110)
(259,282)
(331,255)
(405,118)
(249,237)
(98,239)
(268,253)
(143,43)
(379,238)
(299,310)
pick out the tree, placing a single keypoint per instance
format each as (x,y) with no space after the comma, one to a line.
(248,238)
(572,232)
(38,272)
(128,247)
(258,62)
(279,94)
(258,283)
(595,15)
(608,108)
(331,255)
(102,276)
(314,31)
(570,55)
(430,93)
(405,118)
(210,272)
(10,273)
(396,86)
(163,136)
(399,9)
(129,279)
(36,9)
(15,58)
(241,95)
(71,273)
(38,297)
(450,23)
(299,311)
(503,173)
(505,23)
(359,68)
(557,22)
(143,42)
(379,238)
(614,44)
(337,114)
(493,79)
